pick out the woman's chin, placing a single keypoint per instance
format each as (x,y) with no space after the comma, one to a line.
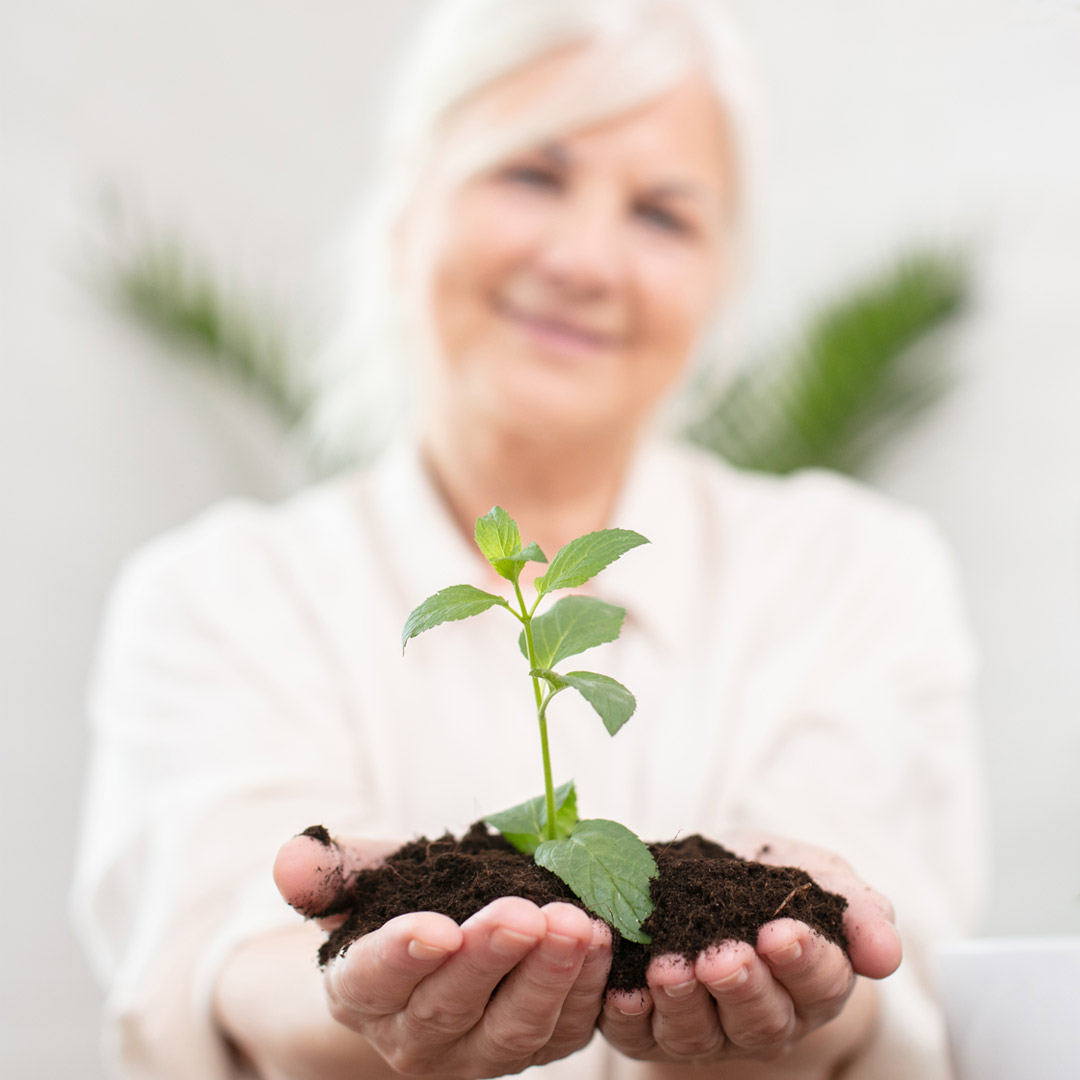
(540,402)
(563,426)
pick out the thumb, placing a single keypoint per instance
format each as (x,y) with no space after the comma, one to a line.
(314,871)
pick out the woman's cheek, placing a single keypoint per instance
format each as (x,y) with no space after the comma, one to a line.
(677,306)
(505,225)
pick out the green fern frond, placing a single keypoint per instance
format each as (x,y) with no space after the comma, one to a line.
(175,293)
(862,370)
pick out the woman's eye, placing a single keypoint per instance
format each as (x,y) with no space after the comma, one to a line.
(661,218)
(533,176)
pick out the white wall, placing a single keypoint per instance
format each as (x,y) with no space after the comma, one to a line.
(961,121)
(245,125)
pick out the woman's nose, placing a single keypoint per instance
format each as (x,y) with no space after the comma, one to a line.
(582,249)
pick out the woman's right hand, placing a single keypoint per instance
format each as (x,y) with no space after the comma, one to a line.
(419,989)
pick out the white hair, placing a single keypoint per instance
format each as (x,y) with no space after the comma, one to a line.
(637,50)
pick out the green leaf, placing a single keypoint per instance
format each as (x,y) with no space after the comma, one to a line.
(866,363)
(510,567)
(611,700)
(574,624)
(497,535)
(163,281)
(448,605)
(608,868)
(523,825)
(585,557)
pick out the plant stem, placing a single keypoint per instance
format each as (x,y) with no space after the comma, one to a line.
(549,787)
(541,706)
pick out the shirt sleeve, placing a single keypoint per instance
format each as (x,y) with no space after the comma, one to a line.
(218,732)
(861,739)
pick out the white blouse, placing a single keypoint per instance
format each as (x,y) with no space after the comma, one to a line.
(796,647)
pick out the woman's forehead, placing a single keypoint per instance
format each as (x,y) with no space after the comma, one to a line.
(679,141)
(678,134)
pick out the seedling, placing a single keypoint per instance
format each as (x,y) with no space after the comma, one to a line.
(605,865)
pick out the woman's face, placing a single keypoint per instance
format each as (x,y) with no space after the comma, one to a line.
(569,283)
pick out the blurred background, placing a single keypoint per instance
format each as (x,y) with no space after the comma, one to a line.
(245,129)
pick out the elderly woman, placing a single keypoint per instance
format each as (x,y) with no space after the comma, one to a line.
(565,193)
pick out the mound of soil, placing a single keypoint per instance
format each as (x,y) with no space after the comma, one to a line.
(703,895)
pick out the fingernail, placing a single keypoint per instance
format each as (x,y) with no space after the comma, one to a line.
(730,982)
(592,953)
(786,954)
(681,990)
(507,942)
(558,947)
(421,950)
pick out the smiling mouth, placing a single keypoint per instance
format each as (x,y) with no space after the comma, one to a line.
(558,334)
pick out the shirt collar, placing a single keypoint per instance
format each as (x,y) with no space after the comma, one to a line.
(657,583)
(426,543)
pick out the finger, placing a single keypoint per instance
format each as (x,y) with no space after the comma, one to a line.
(869,921)
(495,939)
(756,1012)
(685,1022)
(873,941)
(381,970)
(521,1018)
(583,1003)
(626,1023)
(816,974)
(313,872)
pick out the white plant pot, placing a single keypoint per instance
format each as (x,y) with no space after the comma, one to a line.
(1012,1006)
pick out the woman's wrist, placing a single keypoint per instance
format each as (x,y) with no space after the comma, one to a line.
(269,1003)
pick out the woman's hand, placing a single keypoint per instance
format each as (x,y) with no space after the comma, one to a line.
(419,989)
(740,1002)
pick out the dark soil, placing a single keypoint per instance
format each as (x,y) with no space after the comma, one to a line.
(703,895)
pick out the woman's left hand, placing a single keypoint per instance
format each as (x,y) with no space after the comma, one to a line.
(740,1002)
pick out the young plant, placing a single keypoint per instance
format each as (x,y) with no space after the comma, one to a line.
(605,865)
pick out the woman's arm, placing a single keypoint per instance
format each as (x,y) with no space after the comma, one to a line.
(270,1003)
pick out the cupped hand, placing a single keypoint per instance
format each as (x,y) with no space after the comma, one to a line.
(422,990)
(738,1001)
